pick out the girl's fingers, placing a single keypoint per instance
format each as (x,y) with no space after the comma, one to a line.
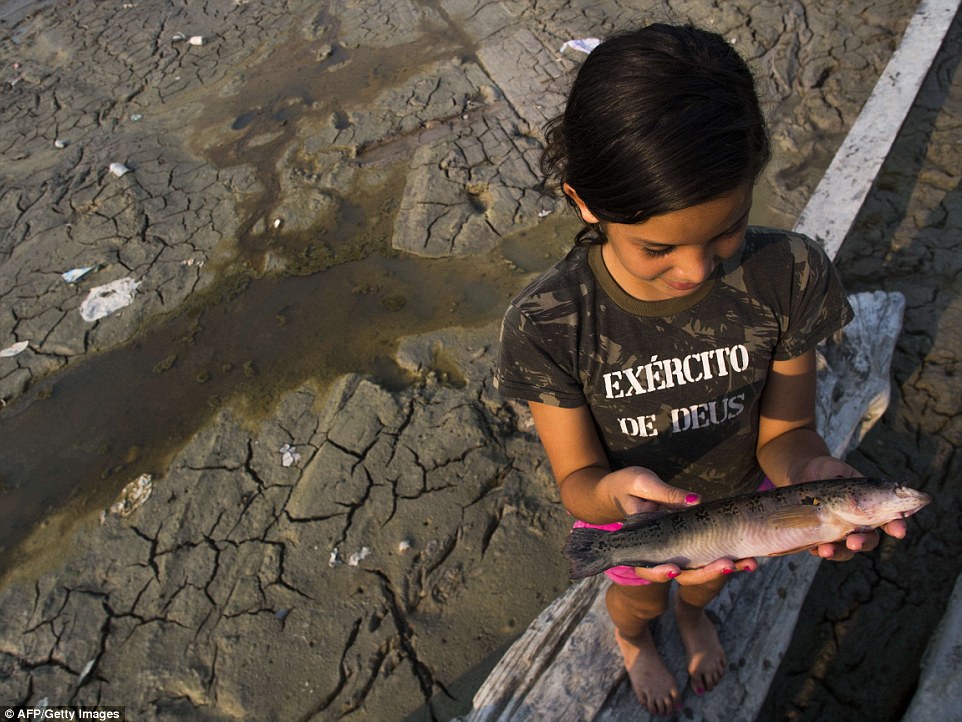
(648,486)
(895,528)
(719,568)
(865,542)
(712,572)
(660,574)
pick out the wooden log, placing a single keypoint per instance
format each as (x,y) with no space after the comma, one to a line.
(580,675)
(939,694)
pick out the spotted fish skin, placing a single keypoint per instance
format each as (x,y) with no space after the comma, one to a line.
(766,523)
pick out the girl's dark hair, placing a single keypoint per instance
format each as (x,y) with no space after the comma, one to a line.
(657,120)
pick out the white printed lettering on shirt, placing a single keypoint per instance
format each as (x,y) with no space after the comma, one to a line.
(668,373)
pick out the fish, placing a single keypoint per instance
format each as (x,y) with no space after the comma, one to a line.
(779,521)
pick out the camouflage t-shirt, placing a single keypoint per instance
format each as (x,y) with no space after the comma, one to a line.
(673,386)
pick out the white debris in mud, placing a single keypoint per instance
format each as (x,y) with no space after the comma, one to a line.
(358,557)
(15,349)
(85,671)
(289,455)
(133,496)
(197,40)
(583,45)
(119,169)
(75,274)
(333,561)
(104,300)
(404,545)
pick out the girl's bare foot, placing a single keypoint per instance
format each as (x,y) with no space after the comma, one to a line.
(653,683)
(706,658)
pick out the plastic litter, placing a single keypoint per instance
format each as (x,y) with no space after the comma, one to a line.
(60,143)
(333,561)
(544,213)
(133,496)
(358,557)
(404,545)
(197,40)
(75,274)
(18,347)
(177,37)
(583,45)
(119,169)
(104,300)
(85,671)
(136,117)
(289,455)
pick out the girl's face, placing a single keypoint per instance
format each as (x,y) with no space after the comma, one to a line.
(672,255)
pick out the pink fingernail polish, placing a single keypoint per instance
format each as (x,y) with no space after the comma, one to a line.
(747,569)
(692,499)
(672,575)
(728,571)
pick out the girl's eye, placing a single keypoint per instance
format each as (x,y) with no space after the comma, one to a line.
(657,252)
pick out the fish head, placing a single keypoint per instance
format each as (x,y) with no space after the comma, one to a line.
(874,502)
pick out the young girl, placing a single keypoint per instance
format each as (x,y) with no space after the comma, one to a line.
(669,358)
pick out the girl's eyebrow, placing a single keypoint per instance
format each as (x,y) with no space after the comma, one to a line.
(733,226)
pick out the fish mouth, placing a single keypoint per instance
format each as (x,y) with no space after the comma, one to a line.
(920,498)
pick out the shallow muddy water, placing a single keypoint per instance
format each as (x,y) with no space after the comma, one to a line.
(78,436)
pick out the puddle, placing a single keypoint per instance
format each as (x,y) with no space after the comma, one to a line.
(80,435)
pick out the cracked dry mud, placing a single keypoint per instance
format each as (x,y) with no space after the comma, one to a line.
(299,138)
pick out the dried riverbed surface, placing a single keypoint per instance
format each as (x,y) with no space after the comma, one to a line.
(326,211)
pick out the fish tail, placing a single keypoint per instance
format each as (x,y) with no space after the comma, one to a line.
(585,559)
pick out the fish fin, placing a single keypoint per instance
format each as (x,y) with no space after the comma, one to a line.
(642,517)
(796,517)
(584,558)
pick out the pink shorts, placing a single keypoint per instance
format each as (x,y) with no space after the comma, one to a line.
(626,575)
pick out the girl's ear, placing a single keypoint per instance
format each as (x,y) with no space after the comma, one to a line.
(586,215)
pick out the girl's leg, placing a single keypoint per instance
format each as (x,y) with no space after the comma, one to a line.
(631,608)
(706,658)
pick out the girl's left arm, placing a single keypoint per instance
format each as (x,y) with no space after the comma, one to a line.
(791,451)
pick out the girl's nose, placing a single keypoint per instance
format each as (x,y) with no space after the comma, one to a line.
(697,266)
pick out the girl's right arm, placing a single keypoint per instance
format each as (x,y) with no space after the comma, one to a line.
(590,491)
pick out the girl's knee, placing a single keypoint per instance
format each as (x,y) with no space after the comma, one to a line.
(645,602)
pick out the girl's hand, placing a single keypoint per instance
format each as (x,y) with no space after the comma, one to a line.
(827,467)
(703,575)
(635,490)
